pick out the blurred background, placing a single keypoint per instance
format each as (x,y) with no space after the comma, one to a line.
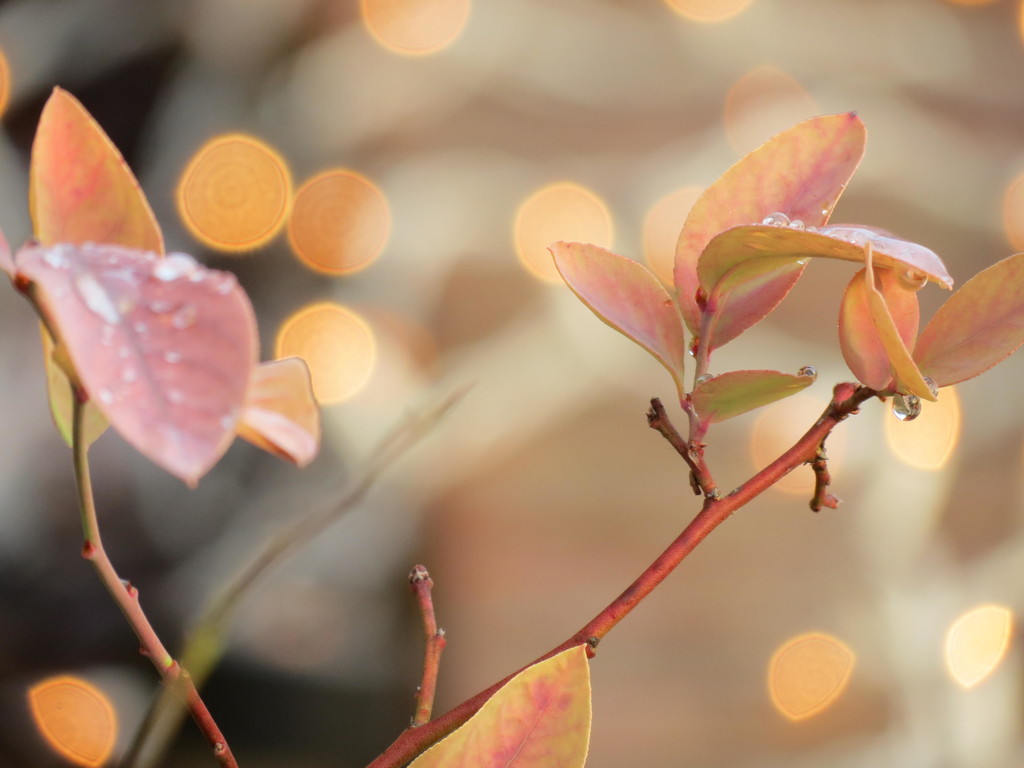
(383,177)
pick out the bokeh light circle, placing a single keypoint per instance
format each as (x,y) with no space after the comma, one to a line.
(662,225)
(709,11)
(415,27)
(808,673)
(337,344)
(560,211)
(5,82)
(928,441)
(340,222)
(75,718)
(977,642)
(235,193)
(762,103)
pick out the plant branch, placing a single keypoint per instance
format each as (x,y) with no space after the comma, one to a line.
(846,400)
(822,479)
(127,597)
(422,584)
(692,452)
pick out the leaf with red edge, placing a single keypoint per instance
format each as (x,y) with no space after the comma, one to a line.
(81,190)
(165,348)
(801,172)
(980,325)
(739,261)
(859,339)
(281,415)
(629,298)
(730,394)
(539,719)
(904,370)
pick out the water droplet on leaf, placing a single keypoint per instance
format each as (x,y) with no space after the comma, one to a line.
(808,370)
(704,377)
(906,407)
(932,387)
(174,266)
(96,298)
(796,224)
(913,279)
(184,317)
(777,219)
(172,357)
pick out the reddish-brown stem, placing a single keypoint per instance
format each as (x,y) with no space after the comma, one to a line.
(435,642)
(692,452)
(846,400)
(127,598)
(822,479)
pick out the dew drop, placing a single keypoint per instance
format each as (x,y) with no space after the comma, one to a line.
(172,357)
(227,422)
(161,306)
(222,283)
(175,395)
(128,375)
(55,257)
(913,279)
(808,370)
(140,328)
(777,219)
(107,335)
(704,377)
(184,317)
(906,407)
(174,266)
(932,387)
(96,298)
(796,224)
(123,352)
(106,396)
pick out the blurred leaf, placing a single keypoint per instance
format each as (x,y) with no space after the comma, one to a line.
(722,397)
(164,347)
(59,389)
(627,297)
(905,371)
(6,261)
(539,719)
(859,339)
(800,172)
(281,415)
(980,325)
(81,190)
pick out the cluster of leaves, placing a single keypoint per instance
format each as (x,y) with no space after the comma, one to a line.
(163,349)
(744,245)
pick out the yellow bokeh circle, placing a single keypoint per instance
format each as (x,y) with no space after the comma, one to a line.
(559,211)
(337,344)
(340,222)
(75,718)
(235,193)
(808,673)
(708,11)
(415,27)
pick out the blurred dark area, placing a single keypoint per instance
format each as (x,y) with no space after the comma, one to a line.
(543,493)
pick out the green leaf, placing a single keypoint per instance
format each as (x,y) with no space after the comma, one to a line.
(859,339)
(629,298)
(800,172)
(722,397)
(980,325)
(539,719)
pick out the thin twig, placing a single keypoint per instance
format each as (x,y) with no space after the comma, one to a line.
(822,479)
(205,643)
(692,452)
(127,597)
(846,400)
(422,585)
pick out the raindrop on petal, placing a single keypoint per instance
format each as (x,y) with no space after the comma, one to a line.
(184,317)
(777,219)
(932,387)
(796,224)
(913,279)
(172,357)
(704,377)
(106,396)
(96,298)
(906,407)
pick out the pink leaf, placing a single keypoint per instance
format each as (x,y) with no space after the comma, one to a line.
(730,394)
(800,172)
(6,261)
(627,297)
(980,325)
(164,347)
(281,415)
(539,719)
(905,371)
(859,340)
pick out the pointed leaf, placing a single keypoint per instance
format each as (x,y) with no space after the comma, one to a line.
(859,339)
(722,397)
(164,347)
(539,719)
(629,298)
(61,405)
(905,371)
(281,414)
(80,188)
(980,325)
(800,172)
